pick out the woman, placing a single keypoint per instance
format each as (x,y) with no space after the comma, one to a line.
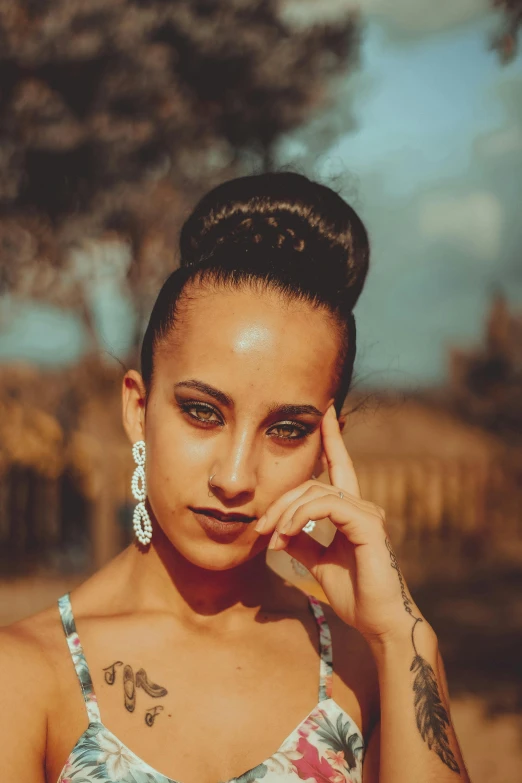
(193,652)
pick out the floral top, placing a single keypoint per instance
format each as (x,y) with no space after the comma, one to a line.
(325,747)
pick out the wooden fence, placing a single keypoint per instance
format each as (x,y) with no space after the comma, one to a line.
(455,502)
(450,503)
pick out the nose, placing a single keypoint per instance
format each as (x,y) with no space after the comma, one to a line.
(234,471)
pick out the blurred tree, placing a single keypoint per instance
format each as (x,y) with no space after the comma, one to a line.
(115,114)
(487,381)
(505,40)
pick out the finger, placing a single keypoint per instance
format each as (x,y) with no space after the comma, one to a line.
(340,466)
(267,522)
(281,512)
(285,521)
(359,525)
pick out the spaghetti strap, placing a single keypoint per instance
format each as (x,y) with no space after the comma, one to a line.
(78,658)
(325,650)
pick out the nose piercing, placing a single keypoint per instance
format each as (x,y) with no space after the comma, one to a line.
(210,494)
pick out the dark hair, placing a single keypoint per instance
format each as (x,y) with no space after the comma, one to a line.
(280,230)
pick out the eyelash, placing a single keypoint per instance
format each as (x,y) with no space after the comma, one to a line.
(186,407)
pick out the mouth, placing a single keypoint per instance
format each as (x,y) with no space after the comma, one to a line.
(219,526)
(221,516)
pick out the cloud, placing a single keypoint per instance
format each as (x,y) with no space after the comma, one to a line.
(506,140)
(415,18)
(402,19)
(473,221)
(502,142)
(306,12)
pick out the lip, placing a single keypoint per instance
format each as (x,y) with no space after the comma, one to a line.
(220,529)
(222,516)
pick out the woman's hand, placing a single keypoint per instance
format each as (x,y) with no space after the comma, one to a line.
(358,571)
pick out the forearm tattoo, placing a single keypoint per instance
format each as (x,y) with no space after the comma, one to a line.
(431,716)
(132,681)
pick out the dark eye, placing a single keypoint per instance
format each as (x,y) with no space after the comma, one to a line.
(298,430)
(203,412)
(207,415)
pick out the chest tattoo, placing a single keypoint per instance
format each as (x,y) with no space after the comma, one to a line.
(132,681)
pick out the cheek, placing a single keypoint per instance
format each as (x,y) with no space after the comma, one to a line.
(281,475)
(180,458)
(175,452)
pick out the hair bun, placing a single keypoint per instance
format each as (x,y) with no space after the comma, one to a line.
(282,219)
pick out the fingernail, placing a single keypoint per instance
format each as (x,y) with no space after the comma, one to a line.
(287,525)
(260,524)
(275,541)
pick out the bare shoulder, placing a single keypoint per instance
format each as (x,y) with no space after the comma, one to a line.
(28,648)
(27,663)
(355,670)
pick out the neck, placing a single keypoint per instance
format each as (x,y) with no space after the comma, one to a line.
(163,580)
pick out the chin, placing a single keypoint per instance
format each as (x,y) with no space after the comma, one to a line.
(205,543)
(213,556)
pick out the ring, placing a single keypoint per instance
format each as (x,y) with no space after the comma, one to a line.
(341,495)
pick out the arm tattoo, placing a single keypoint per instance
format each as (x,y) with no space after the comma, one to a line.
(431,716)
(130,683)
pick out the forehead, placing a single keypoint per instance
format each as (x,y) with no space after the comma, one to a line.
(252,344)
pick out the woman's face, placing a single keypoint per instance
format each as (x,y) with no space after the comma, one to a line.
(239,389)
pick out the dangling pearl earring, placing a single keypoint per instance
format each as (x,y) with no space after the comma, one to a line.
(141,520)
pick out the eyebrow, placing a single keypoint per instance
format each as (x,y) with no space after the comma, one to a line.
(224,399)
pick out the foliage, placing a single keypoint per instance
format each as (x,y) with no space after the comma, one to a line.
(115,114)
(487,381)
(506,39)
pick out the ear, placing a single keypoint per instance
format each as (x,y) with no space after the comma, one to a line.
(133,406)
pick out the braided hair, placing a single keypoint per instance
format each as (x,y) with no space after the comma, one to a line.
(281,231)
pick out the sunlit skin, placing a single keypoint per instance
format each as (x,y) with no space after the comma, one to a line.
(250,347)
(257,352)
(262,353)
(232,643)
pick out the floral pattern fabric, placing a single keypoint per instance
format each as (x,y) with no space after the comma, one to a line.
(326,747)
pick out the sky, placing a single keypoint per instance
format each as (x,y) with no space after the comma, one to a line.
(433,166)
(425,141)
